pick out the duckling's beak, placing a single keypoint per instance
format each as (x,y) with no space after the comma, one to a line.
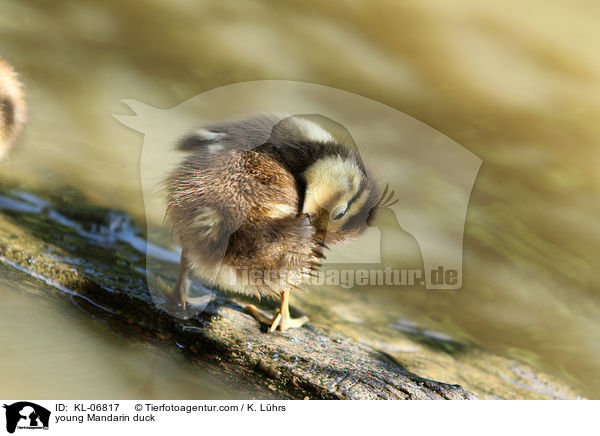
(320,220)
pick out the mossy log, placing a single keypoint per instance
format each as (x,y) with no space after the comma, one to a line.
(82,254)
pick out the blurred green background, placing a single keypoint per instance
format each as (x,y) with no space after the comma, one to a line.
(516,83)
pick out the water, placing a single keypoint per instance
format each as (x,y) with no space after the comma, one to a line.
(51,349)
(513,84)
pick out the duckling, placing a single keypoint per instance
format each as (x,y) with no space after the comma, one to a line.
(12,107)
(261,198)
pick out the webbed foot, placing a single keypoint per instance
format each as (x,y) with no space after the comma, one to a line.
(280,319)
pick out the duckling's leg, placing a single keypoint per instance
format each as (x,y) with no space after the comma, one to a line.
(281,319)
(287,322)
(183,282)
(179,293)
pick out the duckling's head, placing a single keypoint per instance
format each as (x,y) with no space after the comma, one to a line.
(340,198)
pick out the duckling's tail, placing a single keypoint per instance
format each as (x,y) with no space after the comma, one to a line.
(13,109)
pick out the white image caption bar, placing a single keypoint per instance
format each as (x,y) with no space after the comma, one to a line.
(360,417)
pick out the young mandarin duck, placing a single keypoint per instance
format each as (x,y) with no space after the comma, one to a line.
(256,201)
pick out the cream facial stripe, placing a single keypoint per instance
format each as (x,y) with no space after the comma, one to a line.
(329,177)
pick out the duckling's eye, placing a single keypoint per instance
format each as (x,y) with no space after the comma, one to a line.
(339,212)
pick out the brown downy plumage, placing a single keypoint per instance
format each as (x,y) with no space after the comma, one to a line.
(12,107)
(261,198)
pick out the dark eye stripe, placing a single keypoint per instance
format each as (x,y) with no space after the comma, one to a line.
(353,199)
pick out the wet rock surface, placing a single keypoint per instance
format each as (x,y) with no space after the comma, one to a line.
(96,257)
